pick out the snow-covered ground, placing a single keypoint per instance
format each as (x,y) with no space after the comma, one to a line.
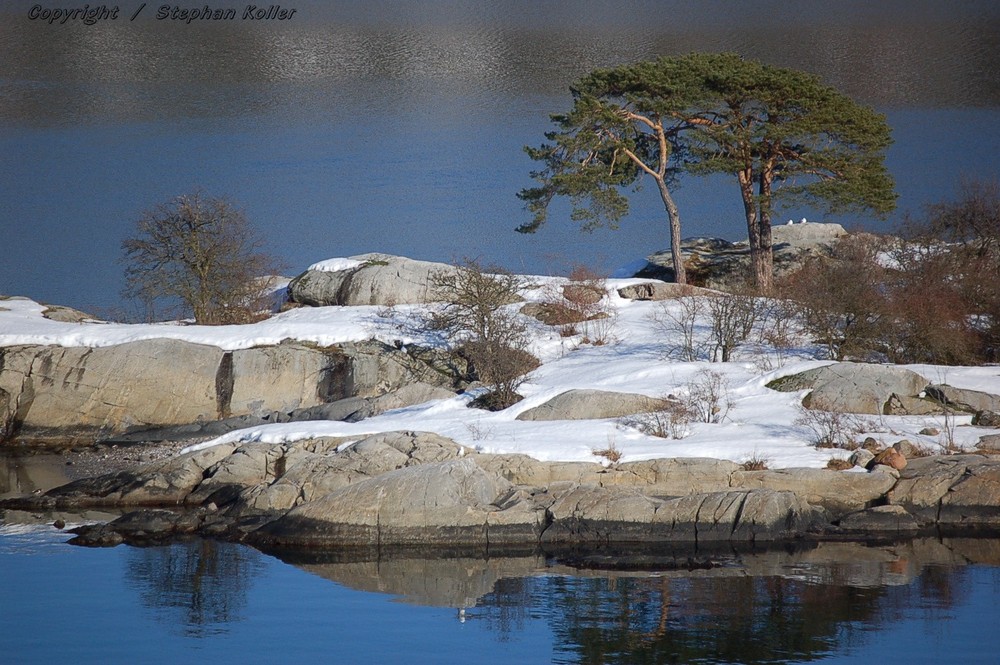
(759,422)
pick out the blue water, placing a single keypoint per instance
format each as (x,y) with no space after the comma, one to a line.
(376,127)
(212,602)
(67,604)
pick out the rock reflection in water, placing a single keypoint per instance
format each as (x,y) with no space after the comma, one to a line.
(725,606)
(28,473)
(750,608)
(449,579)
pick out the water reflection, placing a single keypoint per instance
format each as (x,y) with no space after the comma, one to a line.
(908,602)
(711,607)
(456,580)
(30,473)
(462,579)
(198,586)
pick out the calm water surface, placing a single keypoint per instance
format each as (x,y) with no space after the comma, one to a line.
(922,602)
(398,127)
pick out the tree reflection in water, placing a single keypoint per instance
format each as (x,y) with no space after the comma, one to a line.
(200,585)
(730,619)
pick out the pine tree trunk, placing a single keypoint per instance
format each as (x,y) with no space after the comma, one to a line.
(764,265)
(760,254)
(680,274)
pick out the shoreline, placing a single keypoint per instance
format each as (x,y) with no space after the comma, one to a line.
(419,490)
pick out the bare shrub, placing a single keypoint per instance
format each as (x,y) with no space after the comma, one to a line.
(568,330)
(832,429)
(777,330)
(477,317)
(733,317)
(932,297)
(840,299)
(970,227)
(931,318)
(948,425)
(756,462)
(201,257)
(580,307)
(611,453)
(670,422)
(708,397)
(680,317)
(478,431)
(387,311)
(586,289)
(921,450)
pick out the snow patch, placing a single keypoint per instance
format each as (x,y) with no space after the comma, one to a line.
(336,265)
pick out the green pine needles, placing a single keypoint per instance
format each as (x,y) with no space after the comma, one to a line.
(788,138)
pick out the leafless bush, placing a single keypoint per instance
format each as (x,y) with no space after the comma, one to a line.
(831,429)
(840,299)
(680,317)
(387,311)
(935,300)
(973,223)
(708,397)
(921,450)
(476,316)
(202,257)
(733,317)
(777,330)
(479,432)
(929,316)
(756,462)
(611,453)
(670,422)
(580,307)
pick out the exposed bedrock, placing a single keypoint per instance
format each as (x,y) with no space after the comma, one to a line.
(853,387)
(421,489)
(715,263)
(58,393)
(376,279)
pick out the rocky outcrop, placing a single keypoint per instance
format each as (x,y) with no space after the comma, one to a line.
(554,313)
(852,387)
(6,415)
(412,488)
(444,503)
(962,399)
(66,314)
(952,491)
(312,470)
(587,404)
(60,393)
(880,519)
(986,419)
(163,483)
(657,290)
(719,264)
(622,515)
(376,279)
(836,492)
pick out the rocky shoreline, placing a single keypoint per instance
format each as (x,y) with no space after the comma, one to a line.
(412,489)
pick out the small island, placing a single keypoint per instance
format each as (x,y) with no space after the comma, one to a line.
(354,419)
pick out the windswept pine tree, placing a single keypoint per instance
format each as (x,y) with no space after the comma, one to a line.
(787,137)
